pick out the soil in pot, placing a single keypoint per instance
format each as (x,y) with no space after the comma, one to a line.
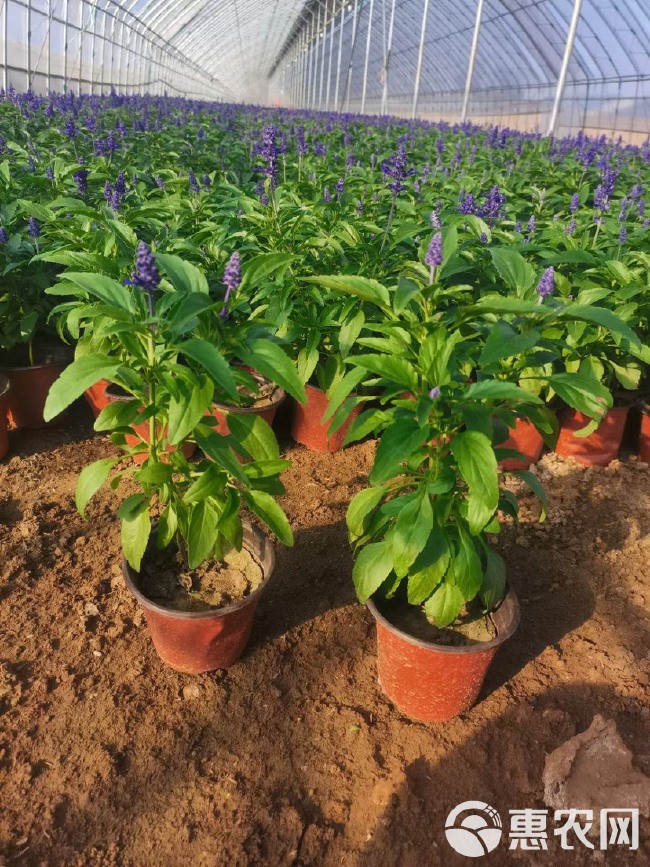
(599,448)
(525,438)
(4,409)
(167,581)
(30,383)
(264,402)
(114,392)
(308,428)
(205,638)
(432,681)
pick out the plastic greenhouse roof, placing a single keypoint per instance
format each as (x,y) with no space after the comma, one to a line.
(242,42)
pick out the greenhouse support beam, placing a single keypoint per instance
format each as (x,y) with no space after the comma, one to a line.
(568,51)
(312,67)
(5,37)
(321,35)
(316,38)
(329,62)
(389,46)
(338,61)
(348,82)
(472,60)
(418,71)
(30,73)
(48,36)
(65,45)
(367,59)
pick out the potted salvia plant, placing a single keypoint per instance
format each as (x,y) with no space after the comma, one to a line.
(31,356)
(323,327)
(194,564)
(421,531)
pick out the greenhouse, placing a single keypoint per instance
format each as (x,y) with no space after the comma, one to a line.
(324,433)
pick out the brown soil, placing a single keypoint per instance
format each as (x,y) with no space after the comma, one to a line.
(471,627)
(165,580)
(293,756)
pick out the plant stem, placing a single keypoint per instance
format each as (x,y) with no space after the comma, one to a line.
(30,349)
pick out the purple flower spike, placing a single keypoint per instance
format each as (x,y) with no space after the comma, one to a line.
(327,196)
(546,285)
(33,228)
(4,235)
(231,280)
(575,203)
(435,393)
(622,236)
(146,275)
(433,256)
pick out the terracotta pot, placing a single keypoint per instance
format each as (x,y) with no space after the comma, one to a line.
(30,385)
(221,411)
(97,397)
(4,409)
(644,438)
(188,448)
(525,438)
(198,641)
(599,448)
(431,682)
(308,428)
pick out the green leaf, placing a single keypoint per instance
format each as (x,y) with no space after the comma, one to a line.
(255,435)
(583,393)
(513,269)
(499,304)
(349,332)
(90,481)
(468,570)
(268,510)
(412,530)
(603,317)
(210,483)
(154,473)
(136,529)
(213,362)
(373,565)
(271,361)
(494,389)
(389,367)
(407,290)
(536,487)
(202,533)
(43,214)
(216,447)
(504,342)
(118,413)
(187,309)
(184,276)
(341,390)
(106,289)
(75,379)
(187,408)
(396,444)
(360,287)
(360,510)
(478,467)
(494,580)
(429,568)
(446,603)
(258,269)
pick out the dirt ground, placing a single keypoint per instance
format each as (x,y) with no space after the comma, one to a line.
(293,756)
